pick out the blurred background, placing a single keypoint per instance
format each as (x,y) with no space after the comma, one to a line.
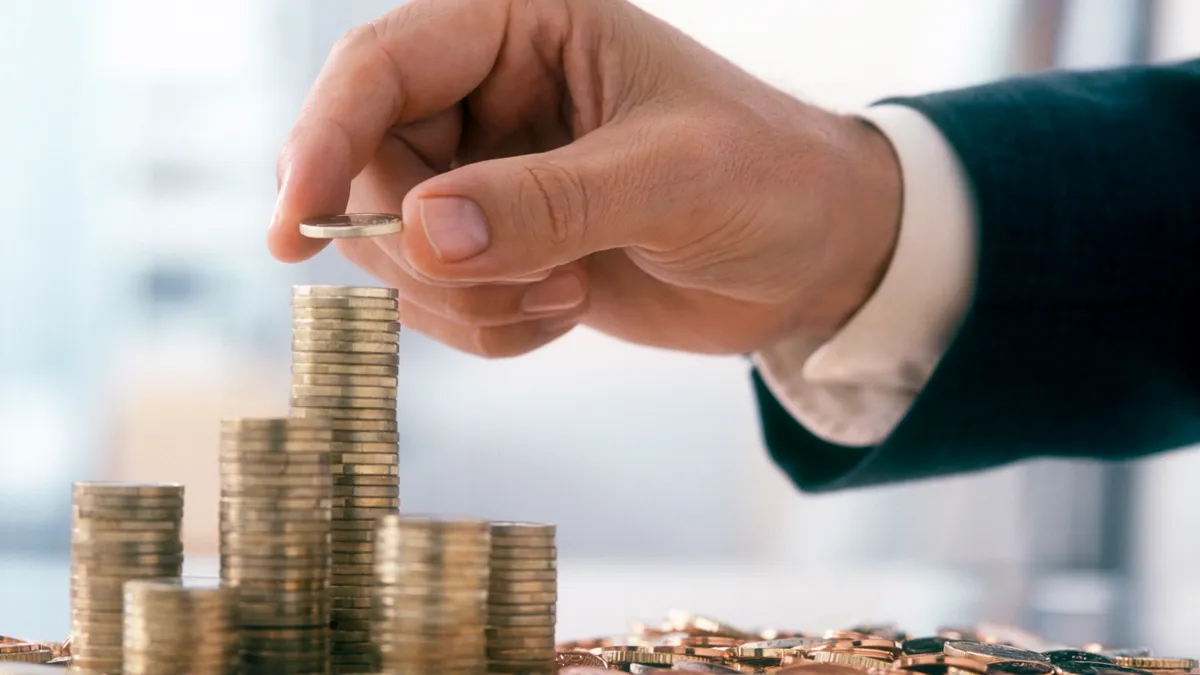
(140,307)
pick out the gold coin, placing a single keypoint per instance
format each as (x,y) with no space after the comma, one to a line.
(496,611)
(105,502)
(501,555)
(325,291)
(508,587)
(505,632)
(82,511)
(282,426)
(342,302)
(113,489)
(364,414)
(374,315)
(546,620)
(515,529)
(366,492)
(346,380)
(309,344)
(333,353)
(305,334)
(1155,662)
(387,396)
(505,576)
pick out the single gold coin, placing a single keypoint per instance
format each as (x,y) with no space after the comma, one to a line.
(340,314)
(362,414)
(304,356)
(344,303)
(351,225)
(320,291)
(345,380)
(302,344)
(344,391)
(352,325)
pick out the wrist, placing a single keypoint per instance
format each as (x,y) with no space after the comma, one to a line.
(865,205)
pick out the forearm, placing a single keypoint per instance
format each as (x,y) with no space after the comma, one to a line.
(1078,341)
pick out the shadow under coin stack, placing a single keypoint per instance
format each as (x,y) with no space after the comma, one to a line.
(344,368)
(276,494)
(119,532)
(522,598)
(431,595)
(180,627)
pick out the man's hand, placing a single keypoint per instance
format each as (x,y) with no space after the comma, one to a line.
(559,162)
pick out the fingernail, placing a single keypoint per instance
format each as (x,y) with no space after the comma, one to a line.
(455,227)
(559,292)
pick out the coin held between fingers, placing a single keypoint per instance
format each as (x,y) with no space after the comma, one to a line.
(351,226)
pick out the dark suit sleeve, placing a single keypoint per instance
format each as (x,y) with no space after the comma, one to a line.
(1083,338)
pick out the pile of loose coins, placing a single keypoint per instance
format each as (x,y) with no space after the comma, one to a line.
(276,496)
(696,643)
(431,594)
(119,532)
(522,598)
(345,343)
(180,627)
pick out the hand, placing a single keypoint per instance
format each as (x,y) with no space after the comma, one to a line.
(559,162)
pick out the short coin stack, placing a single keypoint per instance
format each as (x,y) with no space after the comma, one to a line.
(431,595)
(344,368)
(119,531)
(276,497)
(180,627)
(522,598)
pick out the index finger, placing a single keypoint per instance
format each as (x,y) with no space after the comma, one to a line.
(412,62)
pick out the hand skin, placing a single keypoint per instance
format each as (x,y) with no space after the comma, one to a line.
(620,176)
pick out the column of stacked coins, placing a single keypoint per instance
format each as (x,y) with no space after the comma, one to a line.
(180,627)
(119,532)
(431,595)
(276,496)
(522,598)
(344,368)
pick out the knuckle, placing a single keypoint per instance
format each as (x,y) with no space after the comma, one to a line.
(356,37)
(462,306)
(496,343)
(552,194)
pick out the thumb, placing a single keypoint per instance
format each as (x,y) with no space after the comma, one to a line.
(500,218)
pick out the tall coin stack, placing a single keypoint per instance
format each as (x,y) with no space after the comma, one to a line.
(522,598)
(276,496)
(180,627)
(431,595)
(344,368)
(119,532)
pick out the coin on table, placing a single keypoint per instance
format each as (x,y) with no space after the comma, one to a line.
(351,225)
(988,653)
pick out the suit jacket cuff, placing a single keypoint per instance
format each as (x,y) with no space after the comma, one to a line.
(853,389)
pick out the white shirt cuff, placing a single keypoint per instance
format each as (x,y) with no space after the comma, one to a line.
(854,389)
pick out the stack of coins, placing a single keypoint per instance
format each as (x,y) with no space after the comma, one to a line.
(23,652)
(119,532)
(522,598)
(276,496)
(431,595)
(180,627)
(344,369)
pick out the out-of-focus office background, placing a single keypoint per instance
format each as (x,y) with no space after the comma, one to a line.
(140,306)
